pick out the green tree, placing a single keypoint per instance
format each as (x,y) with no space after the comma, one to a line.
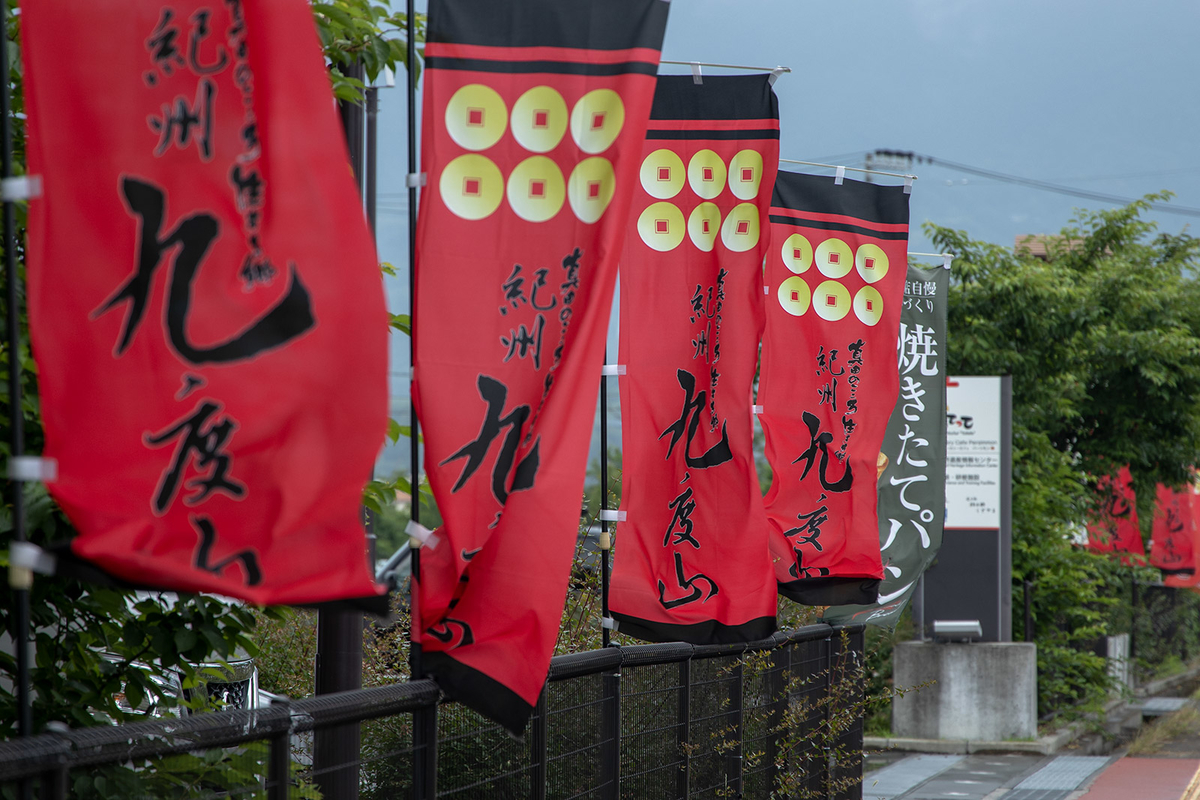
(1102,339)
(106,654)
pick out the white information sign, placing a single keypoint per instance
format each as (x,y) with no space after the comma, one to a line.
(973,453)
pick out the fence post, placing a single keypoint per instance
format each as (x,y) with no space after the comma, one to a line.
(827,767)
(539,747)
(684,730)
(610,748)
(425,737)
(777,685)
(279,765)
(735,717)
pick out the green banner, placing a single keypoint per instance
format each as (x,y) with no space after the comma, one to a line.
(912,486)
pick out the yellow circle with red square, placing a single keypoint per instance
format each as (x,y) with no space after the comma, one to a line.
(834,258)
(591,187)
(706,174)
(831,301)
(868,306)
(536,189)
(745,174)
(704,223)
(596,120)
(539,119)
(871,262)
(661,227)
(797,253)
(662,174)
(471,186)
(794,296)
(476,117)
(740,230)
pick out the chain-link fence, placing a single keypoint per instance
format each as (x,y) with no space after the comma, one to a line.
(1164,630)
(781,715)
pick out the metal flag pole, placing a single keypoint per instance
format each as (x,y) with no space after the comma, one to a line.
(20,579)
(605,536)
(907,177)
(414,652)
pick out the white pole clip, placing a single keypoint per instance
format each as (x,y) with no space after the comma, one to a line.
(697,77)
(609,623)
(908,181)
(839,176)
(414,179)
(24,555)
(612,369)
(612,515)
(756,409)
(766,290)
(419,535)
(775,73)
(946,259)
(32,468)
(21,187)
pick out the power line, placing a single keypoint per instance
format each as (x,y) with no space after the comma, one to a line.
(1035,184)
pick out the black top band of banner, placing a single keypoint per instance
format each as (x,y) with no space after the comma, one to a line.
(757,133)
(734,97)
(581,24)
(553,67)
(817,194)
(825,225)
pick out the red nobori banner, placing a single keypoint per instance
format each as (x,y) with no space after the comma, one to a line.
(691,561)
(1172,539)
(1114,527)
(205,303)
(835,284)
(535,113)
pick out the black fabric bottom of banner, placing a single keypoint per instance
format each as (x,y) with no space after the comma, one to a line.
(711,632)
(69,565)
(832,591)
(479,692)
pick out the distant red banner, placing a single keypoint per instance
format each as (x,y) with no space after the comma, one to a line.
(691,558)
(1114,528)
(205,303)
(1173,539)
(835,283)
(534,116)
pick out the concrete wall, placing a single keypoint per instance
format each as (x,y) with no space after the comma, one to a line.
(984,691)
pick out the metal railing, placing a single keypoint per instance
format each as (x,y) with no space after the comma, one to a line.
(673,720)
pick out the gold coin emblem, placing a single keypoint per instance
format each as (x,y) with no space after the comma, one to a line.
(745,174)
(661,227)
(703,225)
(536,189)
(707,174)
(868,306)
(831,301)
(590,189)
(471,186)
(662,174)
(476,117)
(539,119)
(871,262)
(596,120)
(740,230)
(834,258)
(797,253)
(794,296)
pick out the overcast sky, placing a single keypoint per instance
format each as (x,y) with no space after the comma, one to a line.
(1098,95)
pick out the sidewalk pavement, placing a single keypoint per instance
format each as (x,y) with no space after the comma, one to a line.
(1013,776)
(1132,778)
